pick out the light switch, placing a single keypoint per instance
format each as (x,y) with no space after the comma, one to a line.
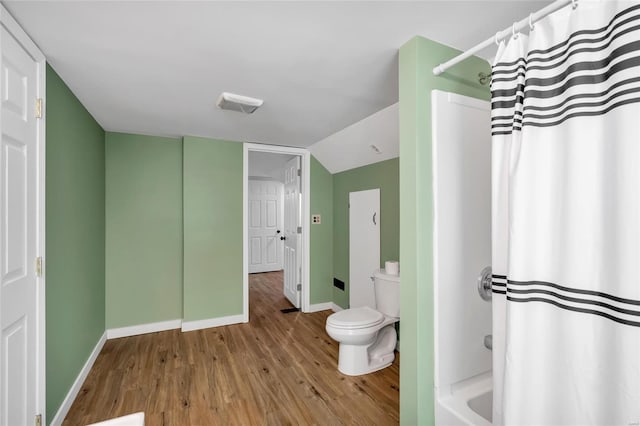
(315,219)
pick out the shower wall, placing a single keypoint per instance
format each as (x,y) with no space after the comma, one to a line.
(462,239)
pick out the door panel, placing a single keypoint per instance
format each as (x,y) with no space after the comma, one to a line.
(265,226)
(364,246)
(271,213)
(292,273)
(254,214)
(255,257)
(272,250)
(15,166)
(15,368)
(18,233)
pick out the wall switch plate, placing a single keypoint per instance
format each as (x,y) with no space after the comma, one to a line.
(315,219)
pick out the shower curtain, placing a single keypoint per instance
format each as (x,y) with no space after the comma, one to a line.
(566,219)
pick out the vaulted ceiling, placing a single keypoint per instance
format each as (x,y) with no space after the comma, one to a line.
(157,67)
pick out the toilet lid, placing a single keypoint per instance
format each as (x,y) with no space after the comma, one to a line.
(355,318)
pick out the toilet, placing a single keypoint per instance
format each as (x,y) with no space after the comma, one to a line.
(367,334)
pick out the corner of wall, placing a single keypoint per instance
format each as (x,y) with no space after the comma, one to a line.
(75,238)
(321,249)
(212,218)
(144,274)
(416,81)
(385,176)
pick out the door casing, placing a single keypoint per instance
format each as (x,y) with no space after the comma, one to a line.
(305,158)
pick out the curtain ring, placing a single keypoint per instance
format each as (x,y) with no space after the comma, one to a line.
(513,31)
(531,22)
(574,4)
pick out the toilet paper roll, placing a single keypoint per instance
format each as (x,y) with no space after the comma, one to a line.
(392,267)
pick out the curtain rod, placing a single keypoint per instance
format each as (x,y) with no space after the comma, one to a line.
(501,35)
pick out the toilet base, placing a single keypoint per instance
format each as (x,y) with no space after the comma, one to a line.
(356,360)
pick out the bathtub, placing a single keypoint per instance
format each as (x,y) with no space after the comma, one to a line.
(468,403)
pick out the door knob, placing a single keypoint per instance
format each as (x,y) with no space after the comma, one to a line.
(278,231)
(283,238)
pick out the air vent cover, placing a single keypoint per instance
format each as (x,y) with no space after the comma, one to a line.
(238,103)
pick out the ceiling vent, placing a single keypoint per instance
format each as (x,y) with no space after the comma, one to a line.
(238,103)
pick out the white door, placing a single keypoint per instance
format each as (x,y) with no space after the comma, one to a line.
(265,226)
(292,231)
(19,191)
(364,246)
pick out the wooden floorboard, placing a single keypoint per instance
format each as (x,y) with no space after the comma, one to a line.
(278,369)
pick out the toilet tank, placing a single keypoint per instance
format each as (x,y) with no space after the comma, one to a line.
(387,289)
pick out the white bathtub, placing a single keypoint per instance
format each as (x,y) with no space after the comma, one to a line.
(468,403)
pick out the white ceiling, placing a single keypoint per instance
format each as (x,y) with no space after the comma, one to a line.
(157,67)
(352,147)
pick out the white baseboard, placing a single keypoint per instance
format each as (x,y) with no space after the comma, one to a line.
(212,322)
(336,308)
(77,385)
(317,307)
(134,330)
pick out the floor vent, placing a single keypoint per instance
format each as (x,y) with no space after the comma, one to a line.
(289,310)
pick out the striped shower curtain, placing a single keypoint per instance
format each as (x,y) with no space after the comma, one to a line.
(566,219)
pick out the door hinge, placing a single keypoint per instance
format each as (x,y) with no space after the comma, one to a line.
(39,266)
(39,420)
(299,287)
(39,108)
(299,172)
(299,230)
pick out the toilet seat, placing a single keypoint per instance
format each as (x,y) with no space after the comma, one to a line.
(355,318)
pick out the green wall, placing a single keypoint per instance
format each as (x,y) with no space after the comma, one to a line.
(143,229)
(417,59)
(212,191)
(321,244)
(75,227)
(383,175)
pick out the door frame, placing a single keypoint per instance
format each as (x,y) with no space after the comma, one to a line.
(305,161)
(12,26)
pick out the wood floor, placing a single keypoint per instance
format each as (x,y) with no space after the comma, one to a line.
(278,369)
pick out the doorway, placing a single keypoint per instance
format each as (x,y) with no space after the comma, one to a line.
(275,209)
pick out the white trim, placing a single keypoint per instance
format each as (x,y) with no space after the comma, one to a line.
(336,308)
(12,26)
(77,384)
(42,318)
(134,330)
(306,221)
(245,233)
(212,322)
(306,234)
(317,307)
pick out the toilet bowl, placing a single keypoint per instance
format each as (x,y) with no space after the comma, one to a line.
(367,336)
(367,340)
